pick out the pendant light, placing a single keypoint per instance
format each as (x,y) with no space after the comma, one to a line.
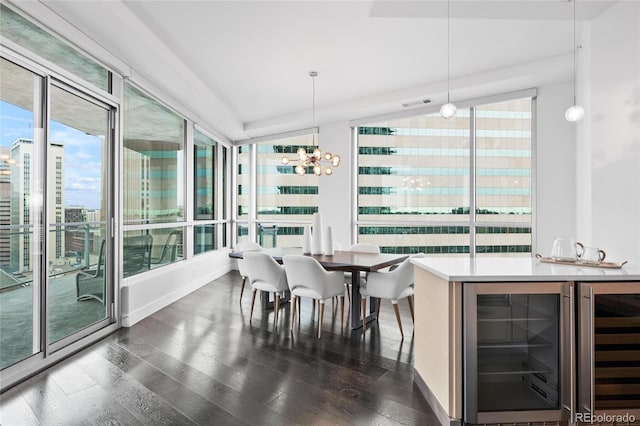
(448,110)
(318,162)
(575,112)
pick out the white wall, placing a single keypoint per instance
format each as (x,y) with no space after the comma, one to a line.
(610,171)
(334,192)
(144,294)
(555,168)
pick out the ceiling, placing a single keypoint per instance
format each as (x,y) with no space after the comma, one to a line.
(243,66)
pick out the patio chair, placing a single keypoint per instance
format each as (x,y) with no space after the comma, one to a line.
(137,254)
(91,284)
(169,250)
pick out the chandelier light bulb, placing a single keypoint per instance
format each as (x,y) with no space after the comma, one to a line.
(328,171)
(317,170)
(285,160)
(448,111)
(327,156)
(317,153)
(574,113)
(302,153)
(300,170)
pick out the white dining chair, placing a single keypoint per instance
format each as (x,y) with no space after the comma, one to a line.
(395,284)
(307,278)
(242,264)
(365,248)
(265,274)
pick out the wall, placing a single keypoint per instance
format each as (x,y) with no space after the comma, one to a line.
(610,171)
(144,294)
(334,192)
(555,168)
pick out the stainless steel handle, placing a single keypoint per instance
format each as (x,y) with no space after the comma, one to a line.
(570,384)
(592,350)
(572,355)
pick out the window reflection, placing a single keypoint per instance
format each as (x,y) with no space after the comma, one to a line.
(153,161)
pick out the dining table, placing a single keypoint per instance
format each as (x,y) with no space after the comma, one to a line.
(357,263)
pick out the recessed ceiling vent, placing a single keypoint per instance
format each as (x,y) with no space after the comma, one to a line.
(421,102)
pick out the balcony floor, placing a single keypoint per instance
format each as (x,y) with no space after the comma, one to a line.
(200,361)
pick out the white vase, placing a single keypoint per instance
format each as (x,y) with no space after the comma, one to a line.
(327,241)
(306,240)
(316,236)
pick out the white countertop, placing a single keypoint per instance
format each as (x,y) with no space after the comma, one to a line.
(491,269)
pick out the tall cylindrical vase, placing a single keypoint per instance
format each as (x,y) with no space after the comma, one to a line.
(316,236)
(327,241)
(306,240)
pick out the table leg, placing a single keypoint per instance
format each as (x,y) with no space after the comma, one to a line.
(356,321)
(267,303)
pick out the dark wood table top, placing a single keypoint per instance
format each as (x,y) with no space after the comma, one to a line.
(340,261)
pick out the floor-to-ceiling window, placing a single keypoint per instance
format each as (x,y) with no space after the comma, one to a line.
(54,284)
(242,192)
(285,201)
(153,181)
(210,161)
(57,121)
(451,187)
(503,181)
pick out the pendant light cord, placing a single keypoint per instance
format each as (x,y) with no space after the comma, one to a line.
(313,75)
(448,49)
(574,51)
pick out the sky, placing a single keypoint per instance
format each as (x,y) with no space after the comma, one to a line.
(82,154)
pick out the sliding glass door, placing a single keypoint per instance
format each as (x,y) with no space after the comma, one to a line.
(77,203)
(20,139)
(56,205)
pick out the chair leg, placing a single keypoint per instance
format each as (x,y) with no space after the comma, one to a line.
(276,307)
(293,310)
(244,280)
(378,310)
(410,300)
(253,301)
(313,309)
(321,302)
(363,308)
(341,311)
(395,307)
(348,292)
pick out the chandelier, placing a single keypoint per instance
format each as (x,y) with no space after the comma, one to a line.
(316,160)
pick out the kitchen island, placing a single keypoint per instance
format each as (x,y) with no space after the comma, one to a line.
(453,295)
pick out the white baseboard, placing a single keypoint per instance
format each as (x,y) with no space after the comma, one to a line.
(150,287)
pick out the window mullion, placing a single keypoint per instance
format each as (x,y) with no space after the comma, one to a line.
(472,182)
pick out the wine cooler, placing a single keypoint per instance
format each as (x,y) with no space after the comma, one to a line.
(518,354)
(609,355)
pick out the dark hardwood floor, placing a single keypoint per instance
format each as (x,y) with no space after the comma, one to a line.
(200,361)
